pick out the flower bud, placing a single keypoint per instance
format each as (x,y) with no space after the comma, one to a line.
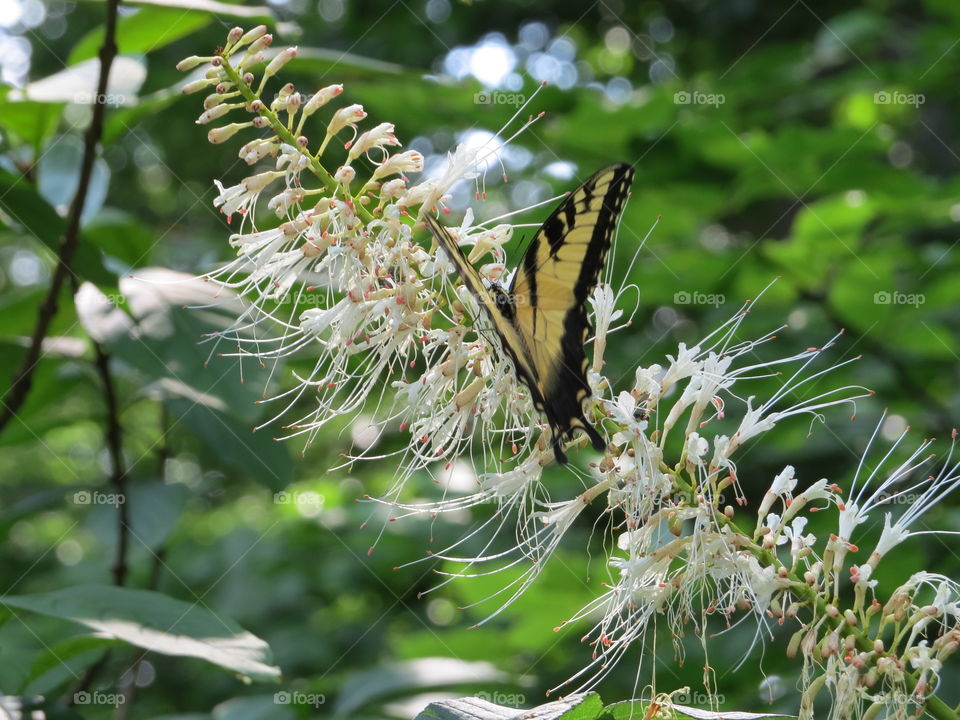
(794,643)
(217,111)
(234,35)
(253,34)
(378,137)
(256,183)
(349,115)
(222,134)
(197,86)
(281,59)
(400,163)
(392,189)
(248,62)
(260,44)
(345,175)
(469,395)
(189,63)
(321,98)
(256,150)
(211,100)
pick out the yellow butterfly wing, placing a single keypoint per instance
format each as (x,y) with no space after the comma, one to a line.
(542,319)
(549,293)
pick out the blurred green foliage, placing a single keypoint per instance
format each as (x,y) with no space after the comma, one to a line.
(814,144)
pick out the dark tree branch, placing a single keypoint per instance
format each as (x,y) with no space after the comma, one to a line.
(118,478)
(23,378)
(118,471)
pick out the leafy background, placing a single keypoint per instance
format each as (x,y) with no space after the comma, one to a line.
(802,172)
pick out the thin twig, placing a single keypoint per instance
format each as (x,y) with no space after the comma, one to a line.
(118,470)
(23,378)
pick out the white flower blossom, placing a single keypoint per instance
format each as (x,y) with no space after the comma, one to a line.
(348,280)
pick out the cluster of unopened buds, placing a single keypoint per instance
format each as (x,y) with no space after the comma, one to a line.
(396,338)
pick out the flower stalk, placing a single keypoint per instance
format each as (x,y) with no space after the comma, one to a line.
(338,273)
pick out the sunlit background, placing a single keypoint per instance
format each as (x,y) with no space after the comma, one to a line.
(814,145)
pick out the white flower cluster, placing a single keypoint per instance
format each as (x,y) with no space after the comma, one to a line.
(394,338)
(369,301)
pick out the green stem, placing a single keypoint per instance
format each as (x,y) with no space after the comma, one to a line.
(932,704)
(283,132)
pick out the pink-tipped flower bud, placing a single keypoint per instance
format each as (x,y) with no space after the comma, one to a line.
(260,44)
(346,116)
(345,175)
(321,98)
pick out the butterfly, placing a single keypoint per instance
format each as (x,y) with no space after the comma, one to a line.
(541,318)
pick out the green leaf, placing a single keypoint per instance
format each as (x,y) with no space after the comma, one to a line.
(33,123)
(30,213)
(155,508)
(119,122)
(164,339)
(120,235)
(158,623)
(255,454)
(58,175)
(25,207)
(171,312)
(146,30)
(63,663)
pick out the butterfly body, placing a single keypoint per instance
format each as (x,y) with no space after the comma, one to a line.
(541,318)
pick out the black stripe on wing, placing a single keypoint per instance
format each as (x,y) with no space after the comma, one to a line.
(569,387)
(497,305)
